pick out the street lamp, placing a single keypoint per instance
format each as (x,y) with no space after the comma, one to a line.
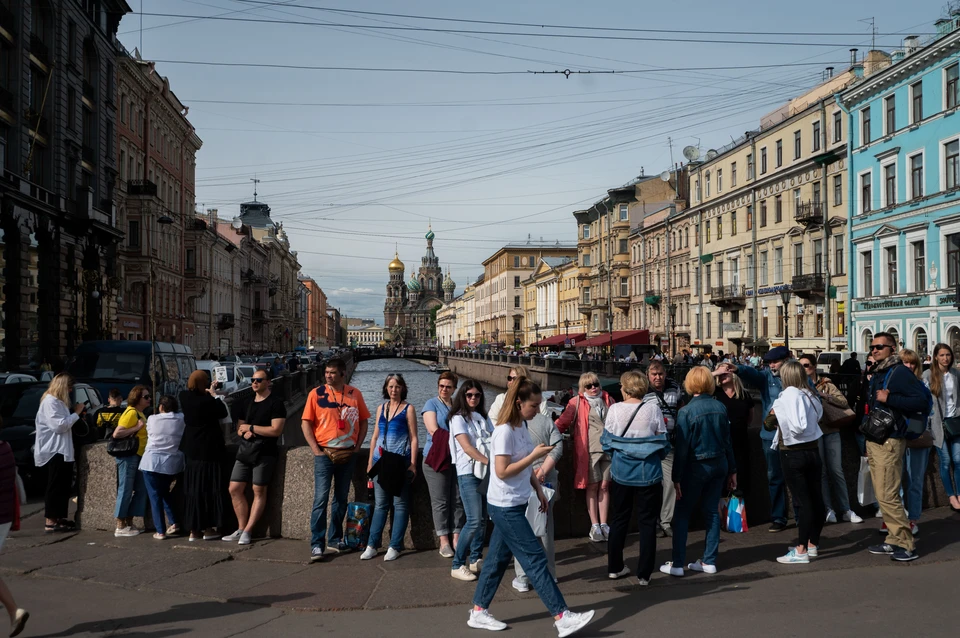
(673,323)
(536,328)
(785,297)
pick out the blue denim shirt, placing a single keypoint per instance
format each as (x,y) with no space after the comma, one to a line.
(703,432)
(635,461)
(770,388)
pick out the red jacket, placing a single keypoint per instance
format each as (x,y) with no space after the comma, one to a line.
(578,410)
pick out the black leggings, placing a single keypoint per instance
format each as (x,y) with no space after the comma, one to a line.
(622,499)
(59,481)
(802,470)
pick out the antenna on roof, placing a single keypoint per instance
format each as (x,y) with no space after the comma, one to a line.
(692,153)
(255,182)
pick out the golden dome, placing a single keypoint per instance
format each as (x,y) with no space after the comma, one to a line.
(396,265)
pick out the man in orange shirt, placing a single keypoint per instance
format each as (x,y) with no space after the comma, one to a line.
(334,422)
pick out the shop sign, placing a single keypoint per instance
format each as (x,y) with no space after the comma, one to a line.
(131,323)
(890,304)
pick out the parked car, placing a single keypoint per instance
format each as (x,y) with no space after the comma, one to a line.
(16,377)
(247,371)
(123,364)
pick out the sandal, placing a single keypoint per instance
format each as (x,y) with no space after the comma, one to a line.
(173,530)
(160,537)
(66,525)
(49,529)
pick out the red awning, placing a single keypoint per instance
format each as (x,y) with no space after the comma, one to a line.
(620,338)
(559,340)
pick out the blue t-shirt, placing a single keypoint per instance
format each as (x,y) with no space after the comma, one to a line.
(435,405)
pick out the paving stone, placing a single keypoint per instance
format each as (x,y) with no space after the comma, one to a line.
(228,579)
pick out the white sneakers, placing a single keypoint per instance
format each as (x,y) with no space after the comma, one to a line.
(831,517)
(700,566)
(477,566)
(446,551)
(392,554)
(668,569)
(233,538)
(851,517)
(463,573)
(483,620)
(245,538)
(521,585)
(368,553)
(570,622)
(605,530)
(596,534)
(126,532)
(620,574)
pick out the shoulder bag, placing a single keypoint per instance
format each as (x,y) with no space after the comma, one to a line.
(882,420)
(630,420)
(249,450)
(951,425)
(127,446)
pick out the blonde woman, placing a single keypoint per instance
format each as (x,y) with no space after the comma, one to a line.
(797,437)
(512,375)
(586,413)
(943,380)
(54,450)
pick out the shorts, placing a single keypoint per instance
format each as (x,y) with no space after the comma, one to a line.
(599,468)
(259,474)
(4,530)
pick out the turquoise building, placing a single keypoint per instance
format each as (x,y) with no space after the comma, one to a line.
(904,194)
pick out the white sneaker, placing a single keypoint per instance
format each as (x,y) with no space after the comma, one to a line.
(620,574)
(462,573)
(316,555)
(446,551)
(233,538)
(368,553)
(596,534)
(126,532)
(914,529)
(477,566)
(879,514)
(392,554)
(605,530)
(813,551)
(483,620)
(572,622)
(521,585)
(670,570)
(245,539)
(643,582)
(851,517)
(831,516)
(700,566)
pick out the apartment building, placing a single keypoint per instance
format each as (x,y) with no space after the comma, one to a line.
(543,314)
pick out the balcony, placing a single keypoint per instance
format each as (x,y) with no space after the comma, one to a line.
(39,49)
(585,307)
(733,330)
(142,187)
(652,298)
(809,213)
(731,295)
(226,321)
(622,301)
(807,286)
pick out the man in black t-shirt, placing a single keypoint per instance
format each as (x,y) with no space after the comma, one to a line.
(260,427)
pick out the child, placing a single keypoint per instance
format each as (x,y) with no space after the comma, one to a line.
(108,416)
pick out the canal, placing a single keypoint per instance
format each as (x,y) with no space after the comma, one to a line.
(421,386)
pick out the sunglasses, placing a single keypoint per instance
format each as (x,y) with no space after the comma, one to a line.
(807,366)
(879,346)
(591,386)
(258,380)
(511,378)
(473,395)
(147,397)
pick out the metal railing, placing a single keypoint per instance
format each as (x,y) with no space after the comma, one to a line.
(809,213)
(813,282)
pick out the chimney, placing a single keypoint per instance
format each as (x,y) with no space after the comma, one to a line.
(875,61)
(853,56)
(829,72)
(910,44)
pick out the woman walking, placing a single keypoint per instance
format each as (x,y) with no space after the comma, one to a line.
(944,383)
(470,429)
(54,450)
(8,513)
(131,490)
(203,450)
(703,464)
(915,460)
(585,413)
(394,452)
(511,485)
(739,404)
(635,436)
(798,411)
(162,461)
(448,517)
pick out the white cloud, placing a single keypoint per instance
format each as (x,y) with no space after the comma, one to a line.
(349,291)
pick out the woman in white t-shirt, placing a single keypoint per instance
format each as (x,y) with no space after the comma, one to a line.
(470,429)
(512,484)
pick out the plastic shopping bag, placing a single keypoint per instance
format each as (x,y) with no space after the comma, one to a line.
(865,494)
(736,515)
(358,524)
(536,518)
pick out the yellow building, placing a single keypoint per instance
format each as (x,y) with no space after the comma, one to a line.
(543,316)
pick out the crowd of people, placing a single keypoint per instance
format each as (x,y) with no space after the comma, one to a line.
(664,452)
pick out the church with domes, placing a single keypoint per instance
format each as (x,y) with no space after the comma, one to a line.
(408,313)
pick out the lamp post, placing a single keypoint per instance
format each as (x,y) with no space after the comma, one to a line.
(670,327)
(536,328)
(785,297)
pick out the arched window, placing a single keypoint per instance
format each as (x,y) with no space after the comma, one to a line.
(895,334)
(867,339)
(920,341)
(953,339)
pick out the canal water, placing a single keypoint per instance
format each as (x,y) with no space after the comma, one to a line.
(421,386)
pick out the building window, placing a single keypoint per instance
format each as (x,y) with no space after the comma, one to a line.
(750,272)
(191,263)
(816,136)
(816,192)
(586,296)
(623,247)
(733,224)
(919,267)
(837,190)
(891,255)
(953,259)
(796,145)
(586,231)
(720,227)
(624,287)
(719,180)
(750,166)
(516,261)
(764,331)
(838,263)
(586,260)
(916,176)
(799,332)
(796,200)
(763,213)
(890,114)
(951,73)
(777,209)
(779,153)
(531,261)
(709,326)
(763,161)
(749,217)
(865,194)
(797,259)
(951,164)
(889,185)
(708,231)
(71,109)
(516,301)
(818,256)
(763,268)
(780,321)
(916,102)
(837,126)
(865,126)
(133,233)
(866,259)
(778,265)
(733,174)
(706,192)
(516,282)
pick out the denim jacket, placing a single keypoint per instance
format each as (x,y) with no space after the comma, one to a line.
(703,433)
(635,461)
(769,386)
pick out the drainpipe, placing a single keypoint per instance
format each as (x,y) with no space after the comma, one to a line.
(669,280)
(851,258)
(699,269)
(753,247)
(826,227)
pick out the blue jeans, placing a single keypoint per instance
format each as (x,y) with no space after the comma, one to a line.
(703,481)
(401,515)
(512,536)
(158,491)
(775,483)
(950,450)
(830,453)
(131,491)
(326,472)
(914,468)
(474,530)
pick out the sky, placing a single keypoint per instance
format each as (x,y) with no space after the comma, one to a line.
(364,128)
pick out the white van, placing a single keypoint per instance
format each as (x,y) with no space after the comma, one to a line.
(826,359)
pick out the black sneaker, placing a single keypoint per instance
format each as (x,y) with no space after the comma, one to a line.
(904,555)
(883,549)
(777,526)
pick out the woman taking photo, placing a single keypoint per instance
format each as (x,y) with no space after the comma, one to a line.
(511,485)
(586,413)
(469,429)
(131,490)
(203,450)
(393,450)
(829,447)
(739,404)
(162,461)
(54,450)
(445,502)
(798,411)
(944,383)
(635,436)
(703,463)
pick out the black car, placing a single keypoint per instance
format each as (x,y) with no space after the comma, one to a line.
(19,404)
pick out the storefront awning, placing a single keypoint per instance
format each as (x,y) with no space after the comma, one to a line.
(559,340)
(620,338)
